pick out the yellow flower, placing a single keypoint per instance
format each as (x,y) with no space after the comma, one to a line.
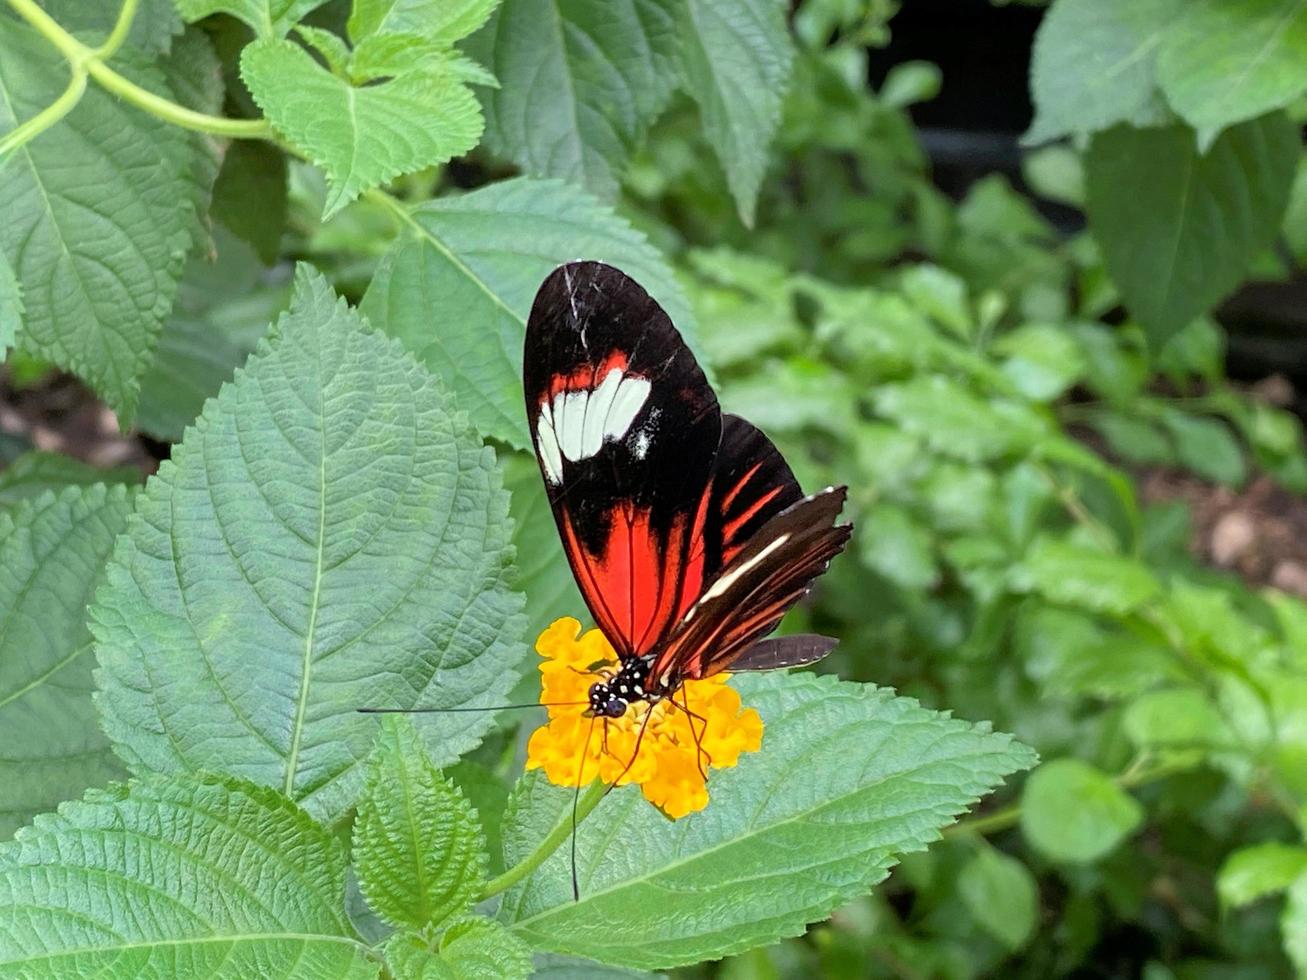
(574,746)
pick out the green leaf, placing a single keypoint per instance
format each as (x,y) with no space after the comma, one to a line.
(1225,61)
(418,848)
(581,81)
(543,572)
(1042,360)
(1001,895)
(361,136)
(941,295)
(52,555)
(153,28)
(195,877)
(99,214)
(551,966)
(1207,446)
(473,949)
(1093,65)
(897,546)
(329,535)
(1293,924)
(1078,575)
(956,422)
(443,21)
(1254,872)
(222,311)
(11,307)
(249,196)
(488,795)
(1072,812)
(1177,717)
(457,289)
(791,833)
(268,18)
(32,473)
(1178,229)
(737,56)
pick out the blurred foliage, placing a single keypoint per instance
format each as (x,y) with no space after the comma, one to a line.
(990,389)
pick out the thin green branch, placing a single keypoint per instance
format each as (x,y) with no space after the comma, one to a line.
(589,800)
(90,61)
(120,30)
(26,132)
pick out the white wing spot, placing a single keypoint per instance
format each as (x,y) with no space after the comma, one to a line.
(547,445)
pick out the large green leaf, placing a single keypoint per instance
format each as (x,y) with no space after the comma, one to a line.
(543,572)
(737,56)
(473,949)
(98,217)
(580,82)
(445,21)
(329,535)
(153,28)
(32,473)
(1224,61)
(1093,65)
(365,135)
(418,847)
(269,18)
(848,777)
(52,554)
(11,307)
(457,289)
(186,877)
(222,310)
(1177,228)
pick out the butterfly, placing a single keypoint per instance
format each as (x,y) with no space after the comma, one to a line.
(685,528)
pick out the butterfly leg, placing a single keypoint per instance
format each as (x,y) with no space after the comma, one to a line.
(700,754)
(634,755)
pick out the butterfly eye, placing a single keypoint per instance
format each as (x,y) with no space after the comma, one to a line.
(615,708)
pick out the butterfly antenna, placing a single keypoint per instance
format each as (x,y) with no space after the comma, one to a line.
(493,707)
(576,798)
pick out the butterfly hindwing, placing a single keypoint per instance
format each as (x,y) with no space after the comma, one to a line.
(747,599)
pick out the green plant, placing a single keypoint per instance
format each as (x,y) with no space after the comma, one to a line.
(349,517)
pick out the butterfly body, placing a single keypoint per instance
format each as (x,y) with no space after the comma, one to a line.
(687,533)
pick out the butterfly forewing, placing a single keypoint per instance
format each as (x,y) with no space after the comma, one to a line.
(626,429)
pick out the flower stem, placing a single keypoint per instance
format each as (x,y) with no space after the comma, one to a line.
(91,61)
(589,800)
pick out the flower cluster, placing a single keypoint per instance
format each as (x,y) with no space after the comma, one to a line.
(573,747)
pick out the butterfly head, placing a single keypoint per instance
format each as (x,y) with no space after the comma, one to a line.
(611,697)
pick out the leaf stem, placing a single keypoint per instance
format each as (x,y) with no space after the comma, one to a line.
(547,846)
(91,61)
(25,132)
(119,33)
